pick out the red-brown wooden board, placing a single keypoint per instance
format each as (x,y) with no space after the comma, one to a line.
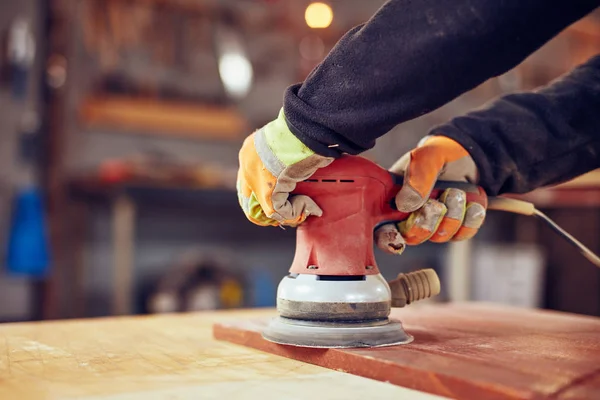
(466,351)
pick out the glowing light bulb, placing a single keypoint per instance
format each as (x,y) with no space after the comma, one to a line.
(236,74)
(318,15)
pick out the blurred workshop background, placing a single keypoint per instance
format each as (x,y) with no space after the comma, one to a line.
(120,126)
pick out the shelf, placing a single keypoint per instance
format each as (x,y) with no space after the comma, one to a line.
(583,191)
(92,187)
(164,118)
(563,198)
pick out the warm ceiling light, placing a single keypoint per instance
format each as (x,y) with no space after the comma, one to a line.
(318,15)
(235,69)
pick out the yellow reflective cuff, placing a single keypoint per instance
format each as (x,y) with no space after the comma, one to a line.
(282,142)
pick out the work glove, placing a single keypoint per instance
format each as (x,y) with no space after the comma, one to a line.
(271,162)
(448,218)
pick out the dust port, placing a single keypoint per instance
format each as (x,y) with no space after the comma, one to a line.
(414,286)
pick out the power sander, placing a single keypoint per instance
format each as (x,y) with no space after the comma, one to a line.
(334,295)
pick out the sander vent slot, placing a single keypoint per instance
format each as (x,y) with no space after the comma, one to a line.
(330,180)
(338,278)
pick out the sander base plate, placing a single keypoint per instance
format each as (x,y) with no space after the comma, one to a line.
(335,335)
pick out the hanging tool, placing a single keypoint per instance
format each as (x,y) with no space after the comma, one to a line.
(21,51)
(334,295)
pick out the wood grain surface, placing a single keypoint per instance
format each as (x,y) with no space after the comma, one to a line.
(162,357)
(466,351)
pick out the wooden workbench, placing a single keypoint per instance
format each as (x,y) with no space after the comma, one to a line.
(162,357)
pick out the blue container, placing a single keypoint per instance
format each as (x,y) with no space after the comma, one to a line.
(28,250)
(263,288)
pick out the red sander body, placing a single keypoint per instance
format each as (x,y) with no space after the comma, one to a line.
(356,195)
(334,295)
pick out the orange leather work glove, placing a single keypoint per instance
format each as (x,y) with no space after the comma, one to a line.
(271,162)
(448,218)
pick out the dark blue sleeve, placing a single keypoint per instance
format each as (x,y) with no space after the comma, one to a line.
(525,141)
(411,58)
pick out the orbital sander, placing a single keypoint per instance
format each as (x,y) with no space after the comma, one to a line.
(334,295)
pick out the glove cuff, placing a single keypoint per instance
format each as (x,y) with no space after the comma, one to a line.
(283,143)
(462,170)
(279,149)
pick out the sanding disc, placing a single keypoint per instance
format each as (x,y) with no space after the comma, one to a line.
(330,335)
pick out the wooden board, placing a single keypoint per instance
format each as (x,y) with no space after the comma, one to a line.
(162,357)
(466,351)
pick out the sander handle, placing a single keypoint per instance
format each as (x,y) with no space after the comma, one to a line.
(497,203)
(477,194)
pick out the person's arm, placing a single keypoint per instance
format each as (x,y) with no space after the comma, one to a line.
(411,58)
(517,143)
(524,141)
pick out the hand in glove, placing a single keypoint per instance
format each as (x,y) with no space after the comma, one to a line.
(271,162)
(448,218)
